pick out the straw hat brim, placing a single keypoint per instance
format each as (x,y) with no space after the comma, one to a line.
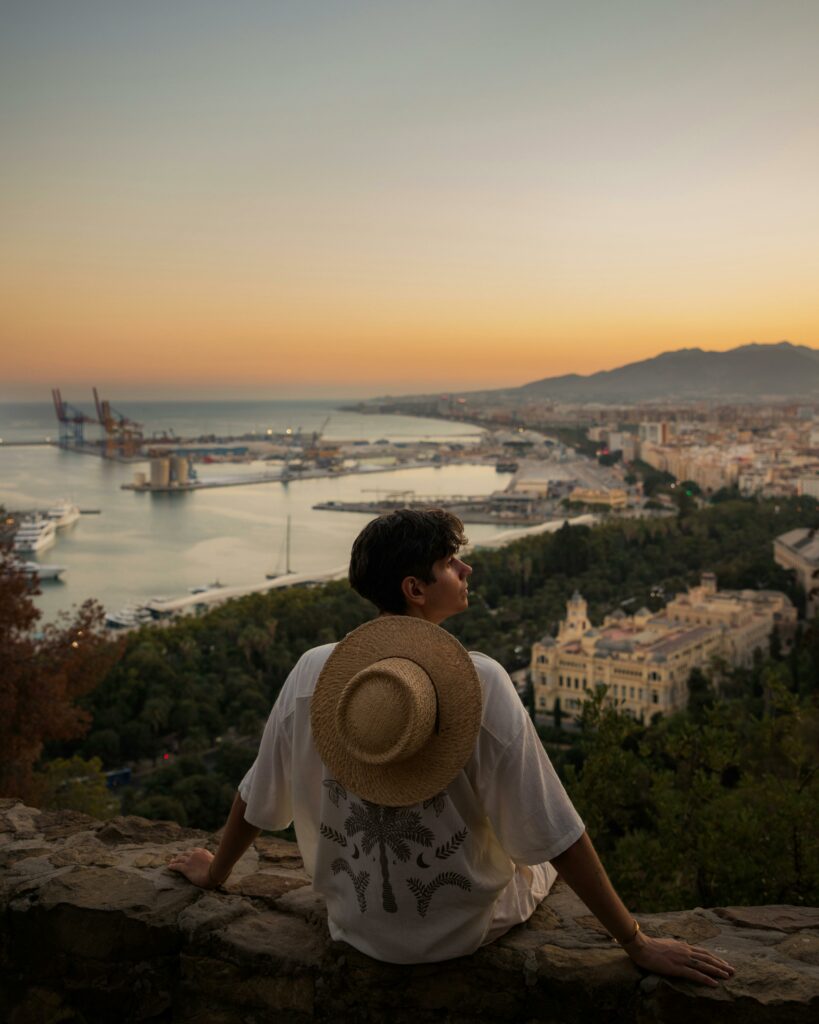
(431,769)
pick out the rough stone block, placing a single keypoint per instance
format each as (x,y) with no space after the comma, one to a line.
(96,928)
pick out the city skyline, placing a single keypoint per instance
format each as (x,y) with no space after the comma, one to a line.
(322,199)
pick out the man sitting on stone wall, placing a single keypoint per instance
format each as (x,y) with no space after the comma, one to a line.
(426,810)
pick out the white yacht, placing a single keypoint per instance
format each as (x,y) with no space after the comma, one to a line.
(35,534)
(129,617)
(64,514)
(42,572)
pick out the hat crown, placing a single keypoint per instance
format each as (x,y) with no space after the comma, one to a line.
(396,685)
(387,711)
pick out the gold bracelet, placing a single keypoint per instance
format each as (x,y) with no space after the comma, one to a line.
(631,938)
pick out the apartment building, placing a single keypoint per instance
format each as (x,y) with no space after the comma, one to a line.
(770,465)
(809,486)
(654,433)
(621,441)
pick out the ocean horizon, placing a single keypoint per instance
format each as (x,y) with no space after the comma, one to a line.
(36,421)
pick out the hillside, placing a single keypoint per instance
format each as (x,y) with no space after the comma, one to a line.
(754,372)
(747,372)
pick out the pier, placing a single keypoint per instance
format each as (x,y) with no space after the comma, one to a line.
(500,508)
(246,479)
(203,485)
(170,607)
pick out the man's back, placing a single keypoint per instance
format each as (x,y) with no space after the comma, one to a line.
(434,880)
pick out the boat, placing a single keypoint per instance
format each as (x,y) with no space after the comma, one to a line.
(287,570)
(42,572)
(129,617)
(36,533)
(205,587)
(63,514)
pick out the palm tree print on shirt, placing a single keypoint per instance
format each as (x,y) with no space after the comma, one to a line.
(389,828)
(360,881)
(423,893)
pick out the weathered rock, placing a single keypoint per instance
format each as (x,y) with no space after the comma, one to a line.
(804,946)
(283,854)
(261,885)
(779,918)
(143,830)
(96,928)
(57,824)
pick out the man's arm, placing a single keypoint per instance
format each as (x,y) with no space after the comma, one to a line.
(581,868)
(208,870)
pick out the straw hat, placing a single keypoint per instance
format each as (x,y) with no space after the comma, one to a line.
(396,710)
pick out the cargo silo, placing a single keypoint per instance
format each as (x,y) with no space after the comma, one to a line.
(160,472)
(179,469)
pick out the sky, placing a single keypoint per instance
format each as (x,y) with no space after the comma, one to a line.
(309,199)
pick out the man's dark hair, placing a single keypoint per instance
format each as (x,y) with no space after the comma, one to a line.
(400,544)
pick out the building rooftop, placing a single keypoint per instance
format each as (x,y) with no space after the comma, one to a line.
(679,639)
(803,541)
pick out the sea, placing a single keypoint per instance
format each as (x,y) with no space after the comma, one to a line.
(141,545)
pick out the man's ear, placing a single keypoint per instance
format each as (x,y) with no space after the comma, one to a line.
(413,590)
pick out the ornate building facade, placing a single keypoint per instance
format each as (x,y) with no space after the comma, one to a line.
(643,661)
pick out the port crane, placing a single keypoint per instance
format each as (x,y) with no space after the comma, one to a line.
(315,450)
(318,434)
(72,421)
(123,436)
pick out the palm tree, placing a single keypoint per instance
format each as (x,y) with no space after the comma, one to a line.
(391,828)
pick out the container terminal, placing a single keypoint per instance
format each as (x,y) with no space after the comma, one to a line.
(546,476)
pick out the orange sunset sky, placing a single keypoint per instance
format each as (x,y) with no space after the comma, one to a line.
(296,199)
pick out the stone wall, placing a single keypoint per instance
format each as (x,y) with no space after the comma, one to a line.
(96,928)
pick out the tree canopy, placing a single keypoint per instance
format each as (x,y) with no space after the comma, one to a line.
(42,674)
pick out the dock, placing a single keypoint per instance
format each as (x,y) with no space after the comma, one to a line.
(281,477)
(204,485)
(167,608)
(508,536)
(499,509)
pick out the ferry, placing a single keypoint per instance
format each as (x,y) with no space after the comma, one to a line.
(35,534)
(63,514)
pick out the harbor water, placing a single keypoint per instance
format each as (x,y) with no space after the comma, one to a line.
(151,545)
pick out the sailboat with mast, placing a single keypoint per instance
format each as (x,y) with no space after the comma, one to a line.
(287,569)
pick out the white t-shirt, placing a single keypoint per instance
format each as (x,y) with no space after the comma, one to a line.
(432,881)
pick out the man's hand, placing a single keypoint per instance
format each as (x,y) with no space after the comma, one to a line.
(195,866)
(677,959)
(580,866)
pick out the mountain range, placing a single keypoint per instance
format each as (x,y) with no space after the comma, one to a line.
(750,372)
